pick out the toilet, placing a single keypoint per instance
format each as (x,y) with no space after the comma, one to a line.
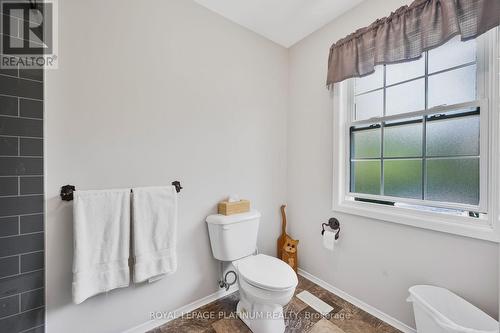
(266,284)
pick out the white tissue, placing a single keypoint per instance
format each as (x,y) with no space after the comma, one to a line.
(233,198)
(329,240)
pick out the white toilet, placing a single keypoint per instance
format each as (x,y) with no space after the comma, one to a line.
(266,284)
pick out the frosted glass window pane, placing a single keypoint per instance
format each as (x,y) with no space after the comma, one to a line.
(405,71)
(366,143)
(406,97)
(369,105)
(452,137)
(453,180)
(403,140)
(370,82)
(456,86)
(403,178)
(365,177)
(453,53)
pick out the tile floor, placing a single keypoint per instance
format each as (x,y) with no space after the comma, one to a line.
(220,316)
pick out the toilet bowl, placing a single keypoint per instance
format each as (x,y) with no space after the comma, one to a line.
(266,284)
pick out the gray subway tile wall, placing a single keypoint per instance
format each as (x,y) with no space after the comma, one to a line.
(31,223)
(31,108)
(32,299)
(9,105)
(21,283)
(9,306)
(20,166)
(9,145)
(31,147)
(31,185)
(9,186)
(9,226)
(22,292)
(32,262)
(16,126)
(22,321)
(10,266)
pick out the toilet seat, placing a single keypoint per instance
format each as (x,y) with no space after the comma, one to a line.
(266,272)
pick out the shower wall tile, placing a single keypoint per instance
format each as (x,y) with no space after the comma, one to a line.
(13,86)
(32,299)
(14,245)
(9,105)
(32,262)
(23,321)
(18,166)
(33,74)
(21,201)
(21,283)
(9,186)
(9,306)
(8,71)
(31,147)
(31,185)
(21,127)
(9,226)
(39,329)
(21,205)
(31,108)
(31,223)
(9,146)
(9,266)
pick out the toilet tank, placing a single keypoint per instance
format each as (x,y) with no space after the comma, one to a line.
(233,236)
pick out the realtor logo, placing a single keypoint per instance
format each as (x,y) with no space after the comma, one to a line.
(28,34)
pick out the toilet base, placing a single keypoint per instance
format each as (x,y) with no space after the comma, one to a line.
(261,318)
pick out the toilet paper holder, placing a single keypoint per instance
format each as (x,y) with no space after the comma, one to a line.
(334,224)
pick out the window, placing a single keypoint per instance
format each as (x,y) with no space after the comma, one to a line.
(417,135)
(415,131)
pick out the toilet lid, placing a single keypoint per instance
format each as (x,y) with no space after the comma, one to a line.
(267,272)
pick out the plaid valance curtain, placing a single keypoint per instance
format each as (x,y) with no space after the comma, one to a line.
(407,33)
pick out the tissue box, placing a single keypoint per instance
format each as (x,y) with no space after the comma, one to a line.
(230,208)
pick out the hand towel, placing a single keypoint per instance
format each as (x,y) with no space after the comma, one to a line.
(101,242)
(154,232)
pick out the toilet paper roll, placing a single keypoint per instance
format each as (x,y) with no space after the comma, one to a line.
(329,240)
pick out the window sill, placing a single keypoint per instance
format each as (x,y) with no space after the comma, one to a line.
(456,225)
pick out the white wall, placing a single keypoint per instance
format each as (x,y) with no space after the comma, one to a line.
(375,261)
(148,92)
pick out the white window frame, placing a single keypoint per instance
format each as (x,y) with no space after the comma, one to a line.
(487,228)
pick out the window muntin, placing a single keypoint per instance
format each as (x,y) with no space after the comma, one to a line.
(401,150)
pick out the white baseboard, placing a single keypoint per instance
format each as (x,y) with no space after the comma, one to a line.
(154,323)
(359,303)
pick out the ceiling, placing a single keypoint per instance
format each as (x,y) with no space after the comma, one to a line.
(282,21)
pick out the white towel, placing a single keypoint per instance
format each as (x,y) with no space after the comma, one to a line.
(101,242)
(154,232)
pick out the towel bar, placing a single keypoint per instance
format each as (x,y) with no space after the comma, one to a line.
(67,190)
